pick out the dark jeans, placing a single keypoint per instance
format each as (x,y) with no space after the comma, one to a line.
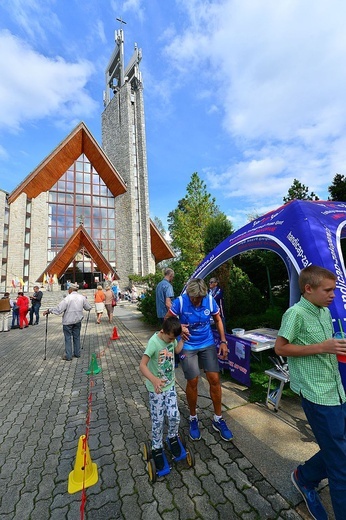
(72,333)
(15,317)
(34,309)
(328,424)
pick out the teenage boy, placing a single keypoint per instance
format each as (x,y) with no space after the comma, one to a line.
(157,365)
(305,336)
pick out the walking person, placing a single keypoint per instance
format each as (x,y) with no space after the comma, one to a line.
(72,306)
(5,311)
(99,298)
(305,337)
(157,366)
(109,296)
(164,294)
(115,289)
(194,309)
(35,305)
(23,309)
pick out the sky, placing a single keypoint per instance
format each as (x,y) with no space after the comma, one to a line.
(248,93)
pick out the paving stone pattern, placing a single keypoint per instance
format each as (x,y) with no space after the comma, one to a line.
(44,404)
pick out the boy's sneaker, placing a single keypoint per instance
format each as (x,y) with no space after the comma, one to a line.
(175,447)
(194,432)
(311,499)
(221,427)
(158,459)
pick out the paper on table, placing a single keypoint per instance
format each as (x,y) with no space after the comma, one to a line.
(259,338)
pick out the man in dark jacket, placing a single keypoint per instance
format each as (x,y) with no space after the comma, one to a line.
(35,305)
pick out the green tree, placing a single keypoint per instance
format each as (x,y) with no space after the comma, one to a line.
(337,189)
(188,222)
(300,192)
(158,223)
(218,228)
(265,270)
(246,299)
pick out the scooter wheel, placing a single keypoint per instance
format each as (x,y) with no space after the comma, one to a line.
(147,453)
(182,438)
(190,457)
(152,470)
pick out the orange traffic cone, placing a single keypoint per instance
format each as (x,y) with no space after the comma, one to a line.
(85,472)
(115,334)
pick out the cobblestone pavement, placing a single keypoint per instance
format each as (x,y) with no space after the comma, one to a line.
(45,404)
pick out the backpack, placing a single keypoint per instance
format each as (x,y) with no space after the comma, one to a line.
(180,298)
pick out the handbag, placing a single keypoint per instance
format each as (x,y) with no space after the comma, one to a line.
(114,302)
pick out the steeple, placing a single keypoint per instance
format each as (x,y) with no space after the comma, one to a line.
(124,141)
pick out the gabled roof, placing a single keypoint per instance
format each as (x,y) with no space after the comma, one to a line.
(79,239)
(159,247)
(49,171)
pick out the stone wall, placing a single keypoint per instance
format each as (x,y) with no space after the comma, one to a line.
(16,237)
(2,222)
(122,124)
(38,237)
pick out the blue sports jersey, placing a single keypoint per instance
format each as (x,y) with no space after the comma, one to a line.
(198,320)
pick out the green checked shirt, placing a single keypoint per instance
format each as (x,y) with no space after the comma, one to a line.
(315,377)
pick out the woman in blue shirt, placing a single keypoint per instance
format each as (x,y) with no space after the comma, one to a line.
(194,309)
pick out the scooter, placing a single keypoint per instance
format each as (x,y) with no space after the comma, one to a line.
(185,454)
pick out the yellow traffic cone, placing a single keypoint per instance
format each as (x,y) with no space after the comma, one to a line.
(85,472)
(93,367)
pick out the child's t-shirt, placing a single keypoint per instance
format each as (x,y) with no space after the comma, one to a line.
(161,362)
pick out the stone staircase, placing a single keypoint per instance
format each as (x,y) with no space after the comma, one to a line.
(52,298)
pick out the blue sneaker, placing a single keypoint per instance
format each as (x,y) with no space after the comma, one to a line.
(194,432)
(221,427)
(311,499)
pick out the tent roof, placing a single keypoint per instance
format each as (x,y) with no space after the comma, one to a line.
(302,233)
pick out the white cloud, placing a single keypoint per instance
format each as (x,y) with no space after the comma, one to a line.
(132,6)
(276,71)
(33,16)
(33,86)
(101,31)
(3,153)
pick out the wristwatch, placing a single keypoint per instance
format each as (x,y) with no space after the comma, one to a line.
(225,342)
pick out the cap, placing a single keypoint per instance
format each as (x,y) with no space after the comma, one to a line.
(74,286)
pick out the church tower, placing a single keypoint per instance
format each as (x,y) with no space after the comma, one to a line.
(124,142)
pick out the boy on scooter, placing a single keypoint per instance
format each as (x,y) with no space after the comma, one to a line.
(157,365)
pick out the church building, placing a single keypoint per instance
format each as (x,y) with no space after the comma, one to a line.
(83,213)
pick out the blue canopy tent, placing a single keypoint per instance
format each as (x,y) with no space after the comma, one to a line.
(301,233)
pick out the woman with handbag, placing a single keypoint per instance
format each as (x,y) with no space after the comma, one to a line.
(109,297)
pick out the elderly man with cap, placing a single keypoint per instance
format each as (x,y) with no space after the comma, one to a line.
(5,310)
(72,306)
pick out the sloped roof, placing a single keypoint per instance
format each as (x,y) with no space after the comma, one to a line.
(79,239)
(159,247)
(49,171)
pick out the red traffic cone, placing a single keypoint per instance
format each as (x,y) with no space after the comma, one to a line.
(115,334)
